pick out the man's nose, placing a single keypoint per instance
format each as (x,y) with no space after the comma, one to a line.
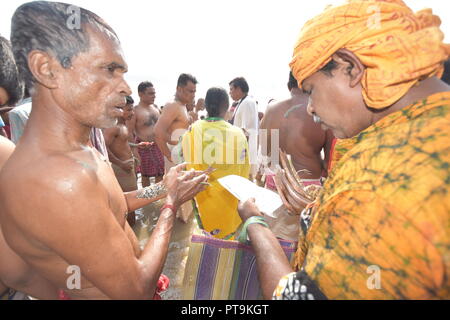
(125,88)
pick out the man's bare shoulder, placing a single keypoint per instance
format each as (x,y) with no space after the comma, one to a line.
(172,106)
(61,173)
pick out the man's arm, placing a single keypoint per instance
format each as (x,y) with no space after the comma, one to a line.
(77,234)
(271,261)
(162,126)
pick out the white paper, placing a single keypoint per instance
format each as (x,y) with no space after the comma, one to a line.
(243,189)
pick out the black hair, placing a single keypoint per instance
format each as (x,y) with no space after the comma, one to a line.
(216,101)
(292,83)
(58,29)
(129,100)
(184,78)
(9,76)
(446,75)
(144,85)
(240,82)
(329,67)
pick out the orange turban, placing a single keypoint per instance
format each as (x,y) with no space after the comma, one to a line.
(397,47)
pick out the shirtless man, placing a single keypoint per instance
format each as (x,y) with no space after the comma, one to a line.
(146,116)
(14,271)
(299,135)
(174,120)
(120,155)
(70,210)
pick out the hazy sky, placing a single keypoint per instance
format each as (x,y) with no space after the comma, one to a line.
(215,40)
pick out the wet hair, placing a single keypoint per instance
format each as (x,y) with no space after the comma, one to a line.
(129,100)
(240,82)
(59,29)
(292,83)
(144,85)
(9,76)
(329,67)
(446,75)
(216,101)
(184,78)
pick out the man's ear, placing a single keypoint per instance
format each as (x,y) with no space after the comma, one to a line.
(353,66)
(44,68)
(4,96)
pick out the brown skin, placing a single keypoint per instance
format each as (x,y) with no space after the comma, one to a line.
(119,150)
(14,271)
(299,136)
(338,100)
(75,211)
(146,116)
(116,139)
(174,119)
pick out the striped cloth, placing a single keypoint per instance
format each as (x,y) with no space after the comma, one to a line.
(223,270)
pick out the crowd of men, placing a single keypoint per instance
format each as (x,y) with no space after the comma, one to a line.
(367,123)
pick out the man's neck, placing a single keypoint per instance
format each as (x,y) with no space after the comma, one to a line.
(145,105)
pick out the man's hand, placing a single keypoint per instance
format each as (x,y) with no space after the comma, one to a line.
(183,185)
(145,145)
(248,209)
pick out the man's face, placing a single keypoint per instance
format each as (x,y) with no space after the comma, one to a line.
(187,93)
(340,107)
(148,96)
(93,89)
(235,93)
(128,112)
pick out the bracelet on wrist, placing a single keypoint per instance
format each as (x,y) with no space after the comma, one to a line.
(169,206)
(243,235)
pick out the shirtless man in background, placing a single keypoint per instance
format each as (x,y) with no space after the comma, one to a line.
(175,120)
(146,116)
(299,136)
(70,210)
(120,155)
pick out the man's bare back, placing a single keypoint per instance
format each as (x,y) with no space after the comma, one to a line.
(299,135)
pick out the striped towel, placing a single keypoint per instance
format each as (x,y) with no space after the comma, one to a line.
(219,269)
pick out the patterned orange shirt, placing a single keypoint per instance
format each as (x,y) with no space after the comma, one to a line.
(382,227)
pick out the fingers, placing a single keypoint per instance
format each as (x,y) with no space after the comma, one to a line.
(180,167)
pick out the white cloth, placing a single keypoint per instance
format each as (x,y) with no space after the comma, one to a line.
(18,118)
(246,115)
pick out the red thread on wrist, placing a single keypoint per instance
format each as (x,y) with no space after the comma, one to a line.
(169,206)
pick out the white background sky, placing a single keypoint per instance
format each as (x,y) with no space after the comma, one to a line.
(215,40)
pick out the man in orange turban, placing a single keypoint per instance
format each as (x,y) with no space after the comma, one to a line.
(381,227)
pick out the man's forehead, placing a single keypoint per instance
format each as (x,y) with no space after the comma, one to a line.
(105,47)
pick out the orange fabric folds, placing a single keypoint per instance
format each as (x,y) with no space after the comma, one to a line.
(397,46)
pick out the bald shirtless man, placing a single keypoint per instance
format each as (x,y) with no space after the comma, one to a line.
(299,136)
(63,210)
(120,155)
(146,116)
(174,120)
